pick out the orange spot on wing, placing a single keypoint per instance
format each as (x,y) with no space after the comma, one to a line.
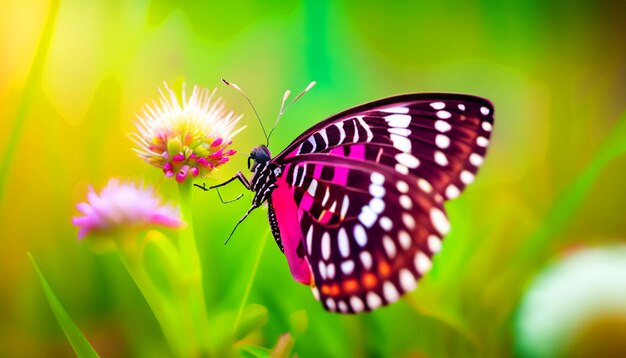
(369,280)
(325,289)
(330,290)
(350,286)
(384,269)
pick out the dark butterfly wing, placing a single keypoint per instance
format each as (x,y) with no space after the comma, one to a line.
(359,204)
(441,138)
(368,233)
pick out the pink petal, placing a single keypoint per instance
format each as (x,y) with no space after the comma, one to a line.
(217,142)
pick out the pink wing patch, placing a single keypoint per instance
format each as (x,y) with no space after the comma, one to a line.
(291,236)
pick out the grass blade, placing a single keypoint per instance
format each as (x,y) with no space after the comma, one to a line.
(79,343)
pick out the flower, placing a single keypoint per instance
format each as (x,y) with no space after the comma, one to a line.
(185,140)
(123,206)
(576,307)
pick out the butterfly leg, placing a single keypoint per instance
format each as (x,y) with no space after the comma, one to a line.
(203,186)
(239,176)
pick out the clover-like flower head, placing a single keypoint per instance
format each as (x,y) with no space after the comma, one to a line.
(187,138)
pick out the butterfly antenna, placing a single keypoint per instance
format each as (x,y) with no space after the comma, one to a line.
(283,108)
(235,87)
(239,222)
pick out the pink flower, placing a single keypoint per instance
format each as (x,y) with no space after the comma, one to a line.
(187,139)
(122,206)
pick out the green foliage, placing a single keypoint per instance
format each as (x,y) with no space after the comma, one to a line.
(79,343)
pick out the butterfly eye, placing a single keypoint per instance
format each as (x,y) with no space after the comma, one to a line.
(249,158)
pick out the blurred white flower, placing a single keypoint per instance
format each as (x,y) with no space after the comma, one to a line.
(576,307)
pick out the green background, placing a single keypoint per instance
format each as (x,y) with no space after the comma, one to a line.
(73,73)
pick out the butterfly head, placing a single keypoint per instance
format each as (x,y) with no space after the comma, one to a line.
(260,154)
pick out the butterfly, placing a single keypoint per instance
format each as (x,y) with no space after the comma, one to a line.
(356,202)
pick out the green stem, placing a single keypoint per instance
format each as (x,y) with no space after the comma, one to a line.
(192,298)
(130,254)
(34,77)
(246,293)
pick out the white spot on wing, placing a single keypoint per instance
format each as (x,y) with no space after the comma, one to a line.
(443,114)
(347,267)
(422,263)
(386,223)
(440,221)
(326,245)
(424,185)
(467,177)
(405,239)
(326,196)
(366,260)
(360,235)
(342,241)
(355,138)
(398,120)
(342,132)
(442,141)
(407,280)
(402,169)
(324,136)
(402,186)
(309,239)
(367,216)
(484,110)
(333,207)
(408,160)
(377,191)
(441,158)
(330,270)
(316,293)
(312,188)
(367,128)
(438,105)
(487,126)
(304,169)
(342,306)
(476,159)
(400,131)
(373,300)
(390,292)
(482,141)
(434,244)
(330,304)
(357,304)
(408,221)
(406,202)
(377,205)
(312,141)
(442,126)
(401,143)
(452,191)
(390,247)
(461,106)
(399,110)
(322,269)
(344,206)
(377,178)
